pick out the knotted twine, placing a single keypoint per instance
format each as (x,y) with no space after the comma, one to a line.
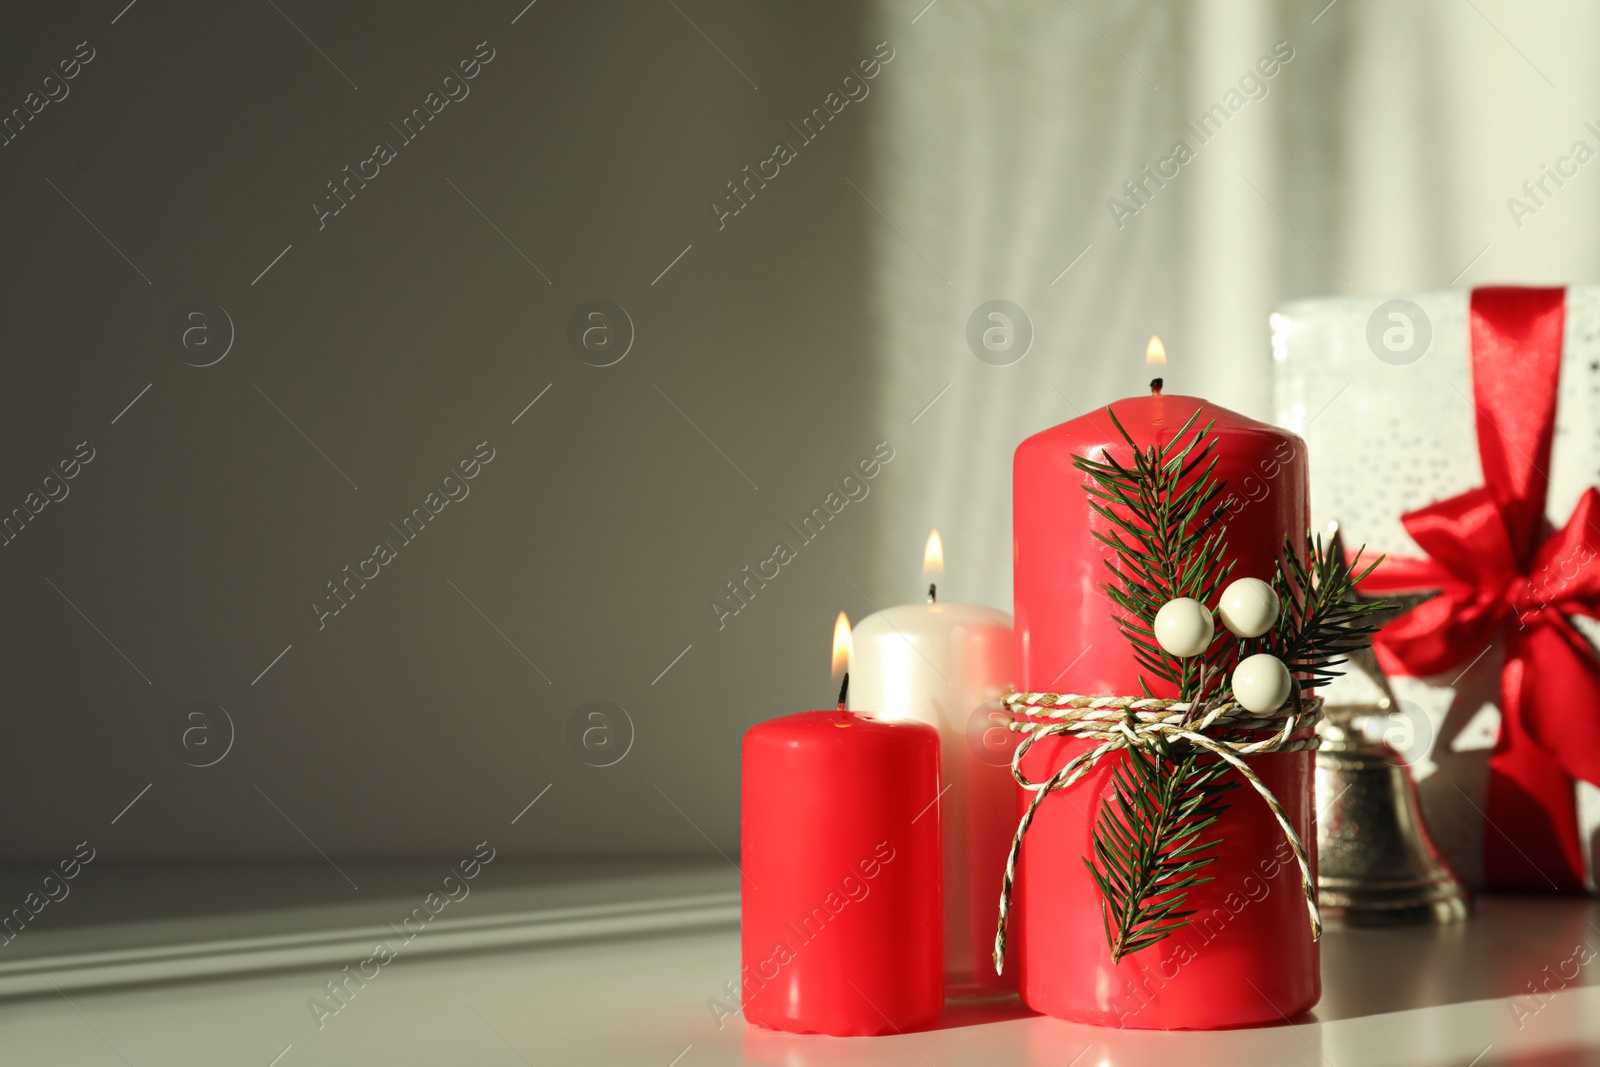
(1124,722)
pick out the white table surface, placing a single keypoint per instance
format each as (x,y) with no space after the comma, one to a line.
(1425,997)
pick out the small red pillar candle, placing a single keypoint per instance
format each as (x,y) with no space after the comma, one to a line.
(841,923)
(1247,955)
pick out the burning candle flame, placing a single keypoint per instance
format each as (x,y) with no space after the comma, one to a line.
(1155,353)
(841,645)
(933,556)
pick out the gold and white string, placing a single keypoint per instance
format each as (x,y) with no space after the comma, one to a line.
(1120,722)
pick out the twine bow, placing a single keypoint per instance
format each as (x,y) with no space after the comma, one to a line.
(1123,722)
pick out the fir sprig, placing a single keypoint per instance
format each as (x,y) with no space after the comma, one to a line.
(1147,848)
(1322,621)
(1167,539)
(1165,519)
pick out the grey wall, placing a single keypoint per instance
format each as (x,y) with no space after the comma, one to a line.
(396,337)
(768,361)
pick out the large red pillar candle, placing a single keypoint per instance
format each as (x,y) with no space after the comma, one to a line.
(1246,956)
(841,922)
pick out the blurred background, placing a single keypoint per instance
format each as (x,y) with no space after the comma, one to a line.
(275,341)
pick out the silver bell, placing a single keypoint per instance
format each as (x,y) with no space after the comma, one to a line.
(1376,863)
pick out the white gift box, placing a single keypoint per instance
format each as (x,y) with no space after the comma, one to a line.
(1381,389)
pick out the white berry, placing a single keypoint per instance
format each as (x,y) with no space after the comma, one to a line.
(1183,627)
(1249,607)
(1261,683)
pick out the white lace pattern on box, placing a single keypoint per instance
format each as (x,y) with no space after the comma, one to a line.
(1387,439)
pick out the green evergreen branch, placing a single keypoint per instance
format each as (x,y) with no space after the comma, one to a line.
(1164,515)
(1147,847)
(1323,621)
(1164,528)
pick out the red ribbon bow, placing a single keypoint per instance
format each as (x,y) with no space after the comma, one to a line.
(1501,574)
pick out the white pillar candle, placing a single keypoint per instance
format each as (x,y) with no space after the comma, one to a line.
(948,665)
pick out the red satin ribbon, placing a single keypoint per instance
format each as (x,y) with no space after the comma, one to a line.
(1502,574)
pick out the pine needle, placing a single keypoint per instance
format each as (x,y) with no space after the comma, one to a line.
(1167,541)
(1165,516)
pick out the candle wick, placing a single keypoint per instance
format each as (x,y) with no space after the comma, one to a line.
(844,690)
(1155,386)
(933,593)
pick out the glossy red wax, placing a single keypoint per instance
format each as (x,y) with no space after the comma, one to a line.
(841,919)
(1247,956)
